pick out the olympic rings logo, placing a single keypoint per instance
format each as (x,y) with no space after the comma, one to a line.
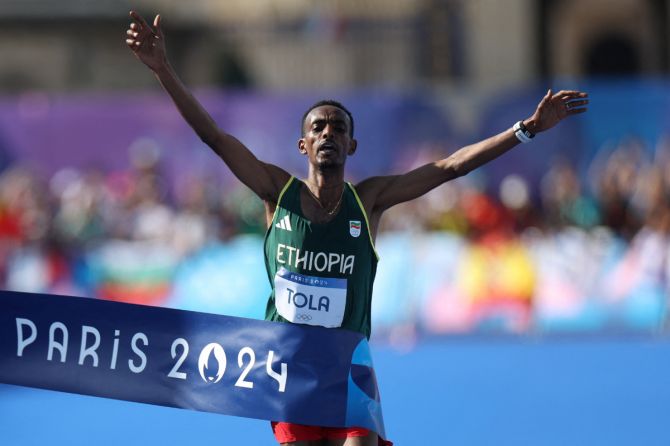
(303,317)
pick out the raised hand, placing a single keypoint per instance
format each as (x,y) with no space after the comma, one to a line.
(147,43)
(555,107)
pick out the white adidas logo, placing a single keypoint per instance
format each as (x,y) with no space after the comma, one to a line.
(284,223)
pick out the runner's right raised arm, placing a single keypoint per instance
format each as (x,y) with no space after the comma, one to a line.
(148,44)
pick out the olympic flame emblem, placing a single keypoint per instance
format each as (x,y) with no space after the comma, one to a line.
(205,360)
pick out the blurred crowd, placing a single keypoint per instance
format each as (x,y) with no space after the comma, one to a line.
(625,189)
(55,232)
(525,250)
(584,249)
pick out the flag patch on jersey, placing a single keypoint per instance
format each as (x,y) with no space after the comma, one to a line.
(284,223)
(355,228)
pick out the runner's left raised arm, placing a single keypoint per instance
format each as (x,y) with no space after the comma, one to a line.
(380,193)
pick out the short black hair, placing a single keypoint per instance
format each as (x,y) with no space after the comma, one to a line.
(332,103)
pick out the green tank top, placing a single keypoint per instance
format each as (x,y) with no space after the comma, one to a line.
(321,274)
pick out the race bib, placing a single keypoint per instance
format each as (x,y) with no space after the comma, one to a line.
(310,300)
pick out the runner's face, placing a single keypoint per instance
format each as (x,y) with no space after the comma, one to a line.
(327,141)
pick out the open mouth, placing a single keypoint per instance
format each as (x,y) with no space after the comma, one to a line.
(327,147)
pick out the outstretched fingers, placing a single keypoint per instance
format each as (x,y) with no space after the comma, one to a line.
(132,43)
(574,106)
(138,32)
(133,39)
(140,20)
(577,107)
(158,28)
(572,101)
(545,99)
(570,94)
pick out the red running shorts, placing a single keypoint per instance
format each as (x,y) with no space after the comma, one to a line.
(289,432)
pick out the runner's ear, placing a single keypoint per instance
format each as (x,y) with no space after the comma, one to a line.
(352,147)
(301,146)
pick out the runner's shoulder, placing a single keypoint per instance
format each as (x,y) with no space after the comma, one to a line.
(277,179)
(371,188)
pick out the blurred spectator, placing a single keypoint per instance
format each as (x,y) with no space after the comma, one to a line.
(564,201)
(617,181)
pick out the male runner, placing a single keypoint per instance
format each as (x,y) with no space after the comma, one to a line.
(321,230)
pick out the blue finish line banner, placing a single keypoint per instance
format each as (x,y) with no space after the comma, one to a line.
(206,362)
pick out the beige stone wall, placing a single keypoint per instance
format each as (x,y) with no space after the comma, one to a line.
(501,43)
(268,11)
(577,24)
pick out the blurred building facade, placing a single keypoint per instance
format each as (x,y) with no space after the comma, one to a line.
(479,45)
